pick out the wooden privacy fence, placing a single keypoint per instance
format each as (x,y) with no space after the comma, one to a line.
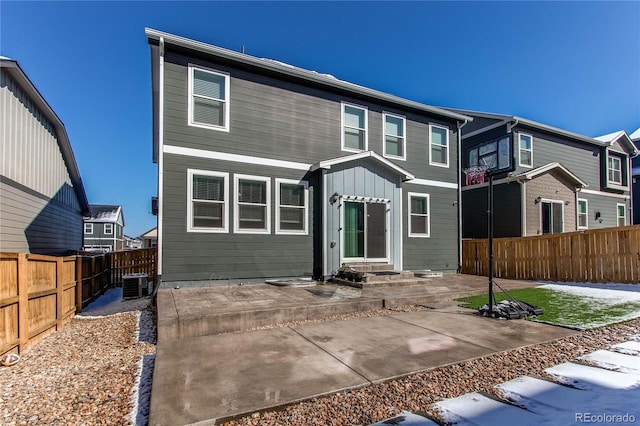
(39,294)
(595,255)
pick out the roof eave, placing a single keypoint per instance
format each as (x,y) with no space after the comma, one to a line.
(298,73)
(327,164)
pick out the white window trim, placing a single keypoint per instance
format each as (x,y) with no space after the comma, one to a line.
(421,195)
(225,209)
(236,205)
(431,163)
(227,100)
(305,231)
(105,229)
(548,200)
(90,225)
(586,202)
(520,149)
(366,127)
(402,157)
(618,217)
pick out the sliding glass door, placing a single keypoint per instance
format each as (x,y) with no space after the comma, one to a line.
(365,231)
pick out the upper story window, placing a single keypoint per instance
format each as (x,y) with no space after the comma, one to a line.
(614,170)
(394,136)
(419,223)
(252,204)
(208,98)
(438,145)
(108,229)
(526,150)
(292,207)
(621,214)
(617,170)
(582,214)
(208,201)
(354,128)
(88,228)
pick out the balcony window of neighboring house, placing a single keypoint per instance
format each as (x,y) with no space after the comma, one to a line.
(439,145)
(394,136)
(108,229)
(526,150)
(354,128)
(552,216)
(252,204)
(419,223)
(622,214)
(582,214)
(208,203)
(208,98)
(88,228)
(292,207)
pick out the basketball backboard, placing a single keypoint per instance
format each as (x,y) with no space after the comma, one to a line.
(496,155)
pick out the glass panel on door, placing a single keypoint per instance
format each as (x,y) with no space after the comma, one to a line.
(353,229)
(376,231)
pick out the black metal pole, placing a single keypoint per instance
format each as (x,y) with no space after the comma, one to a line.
(490,211)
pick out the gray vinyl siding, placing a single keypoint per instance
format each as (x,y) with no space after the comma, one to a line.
(33,223)
(30,152)
(607,206)
(197,256)
(507,211)
(439,252)
(274,119)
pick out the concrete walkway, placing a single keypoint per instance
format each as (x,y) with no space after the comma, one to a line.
(215,377)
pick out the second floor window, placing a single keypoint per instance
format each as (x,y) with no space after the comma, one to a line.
(394,136)
(439,145)
(208,99)
(614,170)
(88,228)
(108,229)
(354,128)
(526,150)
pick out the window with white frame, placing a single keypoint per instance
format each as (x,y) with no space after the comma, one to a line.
(354,128)
(583,218)
(208,201)
(394,136)
(621,214)
(526,150)
(252,204)
(439,145)
(108,229)
(552,216)
(614,169)
(419,217)
(88,228)
(292,207)
(208,98)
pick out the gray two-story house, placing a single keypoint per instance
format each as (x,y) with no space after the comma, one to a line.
(104,229)
(268,170)
(561,181)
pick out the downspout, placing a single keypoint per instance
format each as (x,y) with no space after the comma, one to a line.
(460,126)
(160,157)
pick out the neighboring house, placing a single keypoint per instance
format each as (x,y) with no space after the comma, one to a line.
(562,181)
(104,229)
(150,238)
(42,199)
(635,180)
(132,243)
(269,170)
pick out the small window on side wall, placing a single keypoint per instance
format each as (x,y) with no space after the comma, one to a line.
(292,207)
(438,145)
(394,136)
(208,98)
(354,128)
(526,150)
(419,217)
(583,218)
(621,214)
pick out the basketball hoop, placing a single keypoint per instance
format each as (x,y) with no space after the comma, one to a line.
(475,175)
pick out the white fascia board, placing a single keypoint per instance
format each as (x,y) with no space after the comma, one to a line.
(540,170)
(435,183)
(327,164)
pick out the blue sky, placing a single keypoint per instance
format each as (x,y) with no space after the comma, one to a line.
(574,65)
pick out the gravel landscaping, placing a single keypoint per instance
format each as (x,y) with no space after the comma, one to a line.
(97,371)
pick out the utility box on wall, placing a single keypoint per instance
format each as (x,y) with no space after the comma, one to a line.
(134,286)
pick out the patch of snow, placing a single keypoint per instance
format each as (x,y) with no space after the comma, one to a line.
(587,377)
(629,348)
(141,394)
(614,361)
(406,418)
(477,409)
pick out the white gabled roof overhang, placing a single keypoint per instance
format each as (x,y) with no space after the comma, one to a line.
(622,137)
(531,174)
(327,164)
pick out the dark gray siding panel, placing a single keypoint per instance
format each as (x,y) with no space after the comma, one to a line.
(32,223)
(193,256)
(507,211)
(607,206)
(439,252)
(479,123)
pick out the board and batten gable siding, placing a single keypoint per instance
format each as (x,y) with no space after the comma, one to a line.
(202,256)
(272,118)
(439,252)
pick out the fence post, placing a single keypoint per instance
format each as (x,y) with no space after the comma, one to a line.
(23,302)
(59,291)
(93,276)
(78,284)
